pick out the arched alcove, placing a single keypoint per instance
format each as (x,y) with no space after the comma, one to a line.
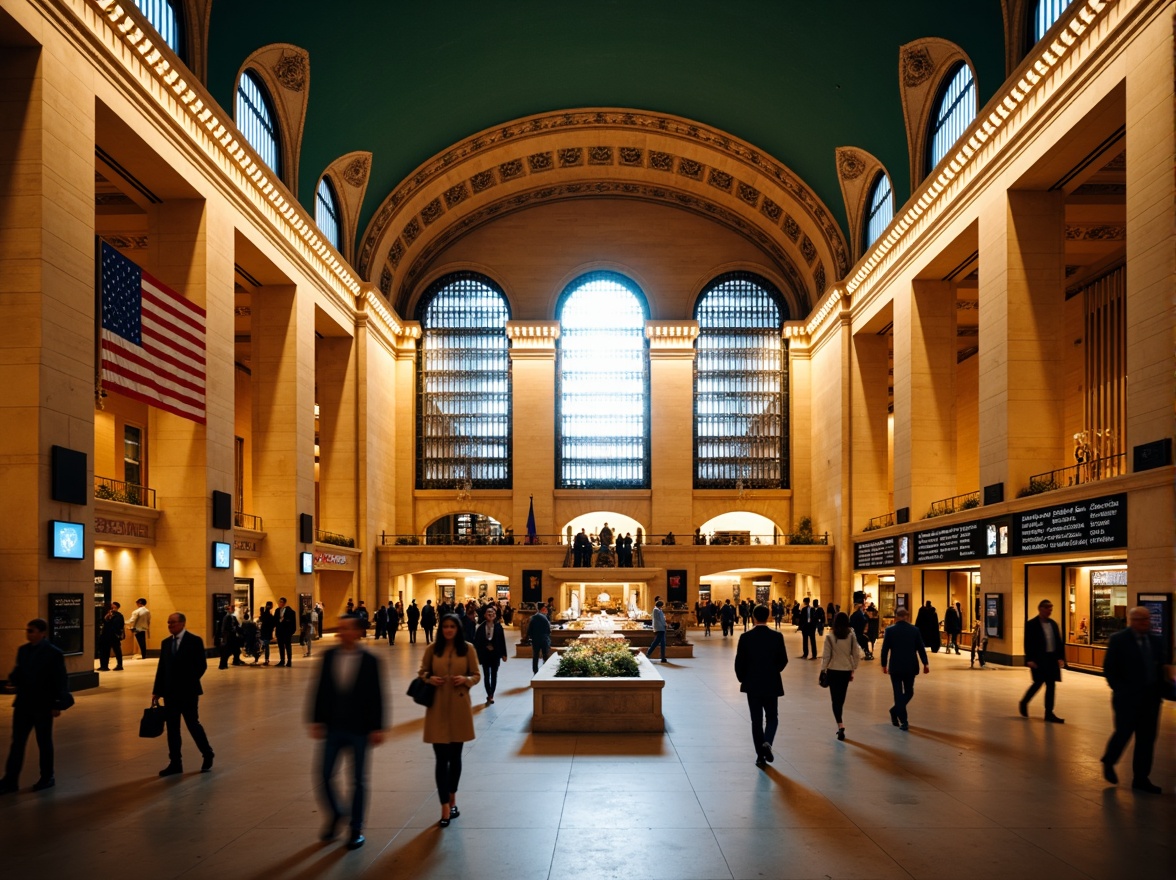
(593,521)
(739,527)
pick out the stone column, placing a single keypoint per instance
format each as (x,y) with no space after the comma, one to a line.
(47,310)
(800,425)
(338,447)
(190,249)
(532,357)
(868,393)
(1151,278)
(404,397)
(283,434)
(1022,292)
(924,396)
(671,429)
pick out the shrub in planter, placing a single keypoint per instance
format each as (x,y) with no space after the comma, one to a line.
(597,658)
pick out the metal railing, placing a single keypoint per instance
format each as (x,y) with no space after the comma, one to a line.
(109,489)
(967,501)
(247,521)
(879,522)
(1076,475)
(388,539)
(322,536)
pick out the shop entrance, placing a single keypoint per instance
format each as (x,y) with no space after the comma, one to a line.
(945,587)
(243,594)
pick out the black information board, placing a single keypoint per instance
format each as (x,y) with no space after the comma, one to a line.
(994,615)
(65,621)
(879,553)
(1092,524)
(676,585)
(1159,608)
(950,543)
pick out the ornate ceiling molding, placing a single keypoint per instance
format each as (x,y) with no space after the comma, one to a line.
(603,154)
(285,70)
(856,172)
(349,174)
(922,65)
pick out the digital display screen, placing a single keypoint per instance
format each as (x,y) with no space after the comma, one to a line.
(67,540)
(306,563)
(222,554)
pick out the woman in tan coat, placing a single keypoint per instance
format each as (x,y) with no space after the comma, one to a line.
(452,666)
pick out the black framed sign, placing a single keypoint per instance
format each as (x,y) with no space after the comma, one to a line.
(676,585)
(533,585)
(65,621)
(994,615)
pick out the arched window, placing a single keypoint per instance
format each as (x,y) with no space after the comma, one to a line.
(954,112)
(879,208)
(165,16)
(257,120)
(1045,14)
(740,386)
(326,213)
(603,394)
(463,415)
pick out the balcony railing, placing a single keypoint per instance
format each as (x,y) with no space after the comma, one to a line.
(247,521)
(967,501)
(388,539)
(109,489)
(1076,475)
(322,536)
(879,522)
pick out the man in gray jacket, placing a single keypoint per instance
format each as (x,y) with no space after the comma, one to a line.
(659,631)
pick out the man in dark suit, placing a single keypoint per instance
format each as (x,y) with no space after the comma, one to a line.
(182,663)
(902,649)
(347,712)
(1045,656)
(808,631)
(42,692)
(1134,668)
(285,625)
(539,635)
(759,659)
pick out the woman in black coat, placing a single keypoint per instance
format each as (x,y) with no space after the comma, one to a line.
(490,643)
(927,623)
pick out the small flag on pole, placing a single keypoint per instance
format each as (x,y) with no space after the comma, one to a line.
(531,534)
(152,339)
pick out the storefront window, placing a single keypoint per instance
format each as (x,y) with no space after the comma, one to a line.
(1098,604)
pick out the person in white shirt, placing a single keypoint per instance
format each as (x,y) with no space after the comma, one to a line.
(141,626)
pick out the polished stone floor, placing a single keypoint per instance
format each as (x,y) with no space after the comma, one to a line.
(972,791)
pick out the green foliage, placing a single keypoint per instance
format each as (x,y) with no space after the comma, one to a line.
(970,503)
(804,532)
(597,658)
(337,540)
(1037,485)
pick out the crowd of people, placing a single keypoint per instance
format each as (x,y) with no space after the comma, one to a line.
(585,545)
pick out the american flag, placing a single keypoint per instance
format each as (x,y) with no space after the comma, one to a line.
(152,339)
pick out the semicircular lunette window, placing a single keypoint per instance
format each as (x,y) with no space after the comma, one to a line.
(326,213)
(740,386)
(165,18)
(464,408)
(257,121)
(603,396)
(954,112)
(1045,15)
(879,208)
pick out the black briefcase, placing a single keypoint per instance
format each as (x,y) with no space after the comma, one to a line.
(421,691)
(152,723)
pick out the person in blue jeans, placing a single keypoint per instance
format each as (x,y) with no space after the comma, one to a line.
(659,631)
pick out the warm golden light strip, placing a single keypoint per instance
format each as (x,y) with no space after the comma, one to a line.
(961,164)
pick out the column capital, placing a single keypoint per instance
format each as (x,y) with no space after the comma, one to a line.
(671,338)
(532,339)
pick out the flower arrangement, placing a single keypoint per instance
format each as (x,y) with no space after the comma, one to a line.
(597,658)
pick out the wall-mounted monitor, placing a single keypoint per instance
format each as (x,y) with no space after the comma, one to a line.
(67,540)
(222,554)
(306,563)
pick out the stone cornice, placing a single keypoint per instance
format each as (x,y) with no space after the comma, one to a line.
(671,338)
(532,339)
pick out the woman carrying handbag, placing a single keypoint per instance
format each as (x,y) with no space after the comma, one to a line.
(451,667)
(839,659)
(490,643)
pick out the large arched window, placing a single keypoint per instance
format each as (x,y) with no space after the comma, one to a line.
(165,16)
(740,386)
(1045,14)
(257,120)
(326,213)
(954,111)
(879,208)
(603,394)
(463,414)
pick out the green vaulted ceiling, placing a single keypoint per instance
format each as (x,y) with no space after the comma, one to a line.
(795,79)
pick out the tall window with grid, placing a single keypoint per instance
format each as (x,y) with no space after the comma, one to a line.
(326,213)
(464,409)
(740,386)
(954,112)
(603,424)
(1045,14)
(879,208)
(257,120)
(165,17)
